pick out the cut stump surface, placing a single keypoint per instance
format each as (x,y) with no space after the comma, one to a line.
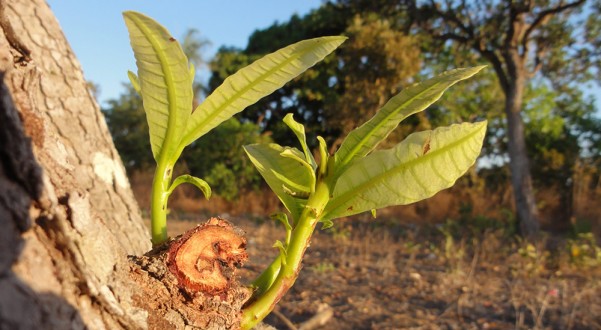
(191,280)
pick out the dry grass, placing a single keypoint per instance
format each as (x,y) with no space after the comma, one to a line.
(381,275)
(471,273)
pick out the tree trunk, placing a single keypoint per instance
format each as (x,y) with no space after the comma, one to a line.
(69,218)
(72,236)
(521,179)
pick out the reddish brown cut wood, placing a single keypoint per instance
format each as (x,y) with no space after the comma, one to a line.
(206,257)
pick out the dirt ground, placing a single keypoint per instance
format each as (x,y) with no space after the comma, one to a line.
(381,275)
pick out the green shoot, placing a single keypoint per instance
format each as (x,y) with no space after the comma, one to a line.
(355,179)
(164,81)
(358,179)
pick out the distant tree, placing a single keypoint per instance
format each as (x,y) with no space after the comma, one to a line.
(378,61)
(555,39)
(126,120)
(219,159)
(331,98)
(193,46)
(562,134)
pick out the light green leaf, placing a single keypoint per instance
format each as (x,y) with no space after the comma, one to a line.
(199,183)
(294,154)
(417,168)
(163,80)
(299,131)
(255,81)
(326,224)
(283,218)
(290,180)
(325,156)
(192,70)
(280,246)
(134,81)
(362,140)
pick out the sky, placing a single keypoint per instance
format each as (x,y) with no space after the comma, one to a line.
(96,31)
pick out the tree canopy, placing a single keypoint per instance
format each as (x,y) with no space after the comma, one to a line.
(547,49)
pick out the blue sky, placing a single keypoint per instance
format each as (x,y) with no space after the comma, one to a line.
(97,34)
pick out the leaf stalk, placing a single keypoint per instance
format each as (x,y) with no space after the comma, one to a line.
(158,202)
(264,302)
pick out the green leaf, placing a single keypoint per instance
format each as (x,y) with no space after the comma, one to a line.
(294,154)
(255,81)
(199,183)
(325,156)
(164,82)
(326,224)
(417,168)
(299,131)
(362,140)
(283,218)
(288,178)
(134,81)
(280,246)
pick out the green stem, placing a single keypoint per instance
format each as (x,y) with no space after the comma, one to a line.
(158,202)
(301,236)
(267,277)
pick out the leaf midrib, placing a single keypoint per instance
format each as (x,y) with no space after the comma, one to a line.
(380,177)
(351,155)
(228,101)
(363,141)
(169,82)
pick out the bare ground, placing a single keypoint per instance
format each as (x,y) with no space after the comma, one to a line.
(381,275)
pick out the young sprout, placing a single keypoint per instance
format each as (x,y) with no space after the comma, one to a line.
(357,178)
(164,81)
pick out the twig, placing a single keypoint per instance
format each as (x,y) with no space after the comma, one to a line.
(324,314)
(284,319)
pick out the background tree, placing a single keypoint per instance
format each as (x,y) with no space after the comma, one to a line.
(330,98)
(377,62)
(127,123)
(519,39)
(350,84)
(193,46)
(220,159)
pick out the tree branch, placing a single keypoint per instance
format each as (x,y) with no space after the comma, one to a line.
(447,16)
(452,36)
(498,67)
(544,16)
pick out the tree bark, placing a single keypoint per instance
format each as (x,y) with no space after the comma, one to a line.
(68,216)
(519,165)
(516,77)
(72,244)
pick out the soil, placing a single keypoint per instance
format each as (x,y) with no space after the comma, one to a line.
(382,275)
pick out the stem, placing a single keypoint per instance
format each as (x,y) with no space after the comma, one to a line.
(267,277)
(158,202)
(301,236)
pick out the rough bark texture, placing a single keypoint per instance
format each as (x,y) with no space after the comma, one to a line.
(516,78)
(521,179)
(190,282)
(68,216)
(66,267)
